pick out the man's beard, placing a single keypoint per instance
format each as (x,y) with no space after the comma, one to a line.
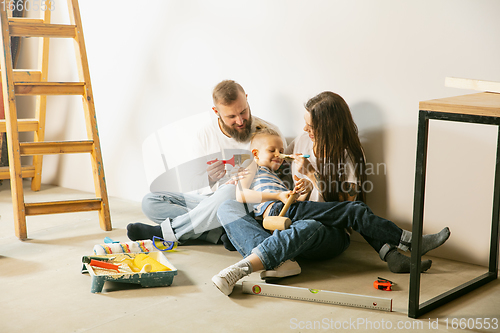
(242,135)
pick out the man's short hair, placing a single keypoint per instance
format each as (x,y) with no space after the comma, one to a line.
(226,92)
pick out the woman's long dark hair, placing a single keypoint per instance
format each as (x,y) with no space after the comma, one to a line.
(336,140)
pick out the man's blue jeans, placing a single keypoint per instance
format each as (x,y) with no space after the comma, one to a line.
(376,230)
(187,216)
(305,238)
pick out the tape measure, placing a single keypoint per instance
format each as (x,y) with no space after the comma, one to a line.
(315,295)
(383,284)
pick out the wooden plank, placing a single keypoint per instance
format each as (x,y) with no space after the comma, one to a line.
(23,75)
(49,88)
(23,20)
(9,100)
(482,104)
(488,86)
(56,147)
(26,172)
(90,116)
(59,207)
(23,125)
(30,29)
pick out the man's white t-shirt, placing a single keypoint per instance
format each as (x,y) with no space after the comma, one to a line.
(215,145)
(176,156)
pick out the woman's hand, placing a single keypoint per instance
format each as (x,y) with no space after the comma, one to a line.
(302,185)
(303,165)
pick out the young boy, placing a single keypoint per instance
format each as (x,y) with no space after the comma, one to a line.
(268,193)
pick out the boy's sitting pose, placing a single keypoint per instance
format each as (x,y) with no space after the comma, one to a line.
(264,189)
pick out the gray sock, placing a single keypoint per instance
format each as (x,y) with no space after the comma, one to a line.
(399,263)
(429,242)
(245,263)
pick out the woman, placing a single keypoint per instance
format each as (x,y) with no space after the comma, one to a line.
(336,164)
(336,167)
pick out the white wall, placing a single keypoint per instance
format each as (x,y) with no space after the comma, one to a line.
(156,62)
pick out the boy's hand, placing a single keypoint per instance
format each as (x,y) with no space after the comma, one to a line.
(302,185)
(216,171)
(242,173)
(283,196)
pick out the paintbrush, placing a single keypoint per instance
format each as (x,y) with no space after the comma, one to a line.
(290,156)
(237,159)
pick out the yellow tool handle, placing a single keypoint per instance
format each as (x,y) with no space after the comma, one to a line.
(290,200)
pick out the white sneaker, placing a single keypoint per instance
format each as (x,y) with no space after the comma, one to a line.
(227,278)
(286,268)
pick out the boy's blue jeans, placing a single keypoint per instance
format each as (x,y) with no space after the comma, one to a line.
(187,216)
(305,238)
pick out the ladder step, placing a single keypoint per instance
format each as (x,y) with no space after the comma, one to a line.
(49,88)
(23,125)
(35,29)
(26,172)
(56,147)
(24,20)
(58,207)
(23,75)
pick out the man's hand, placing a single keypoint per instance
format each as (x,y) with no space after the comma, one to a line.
(216,171)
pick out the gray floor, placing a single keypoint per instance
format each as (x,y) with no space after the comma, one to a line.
(42,289)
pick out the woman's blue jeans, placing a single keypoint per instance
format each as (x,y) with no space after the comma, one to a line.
(305,238)
(376,230)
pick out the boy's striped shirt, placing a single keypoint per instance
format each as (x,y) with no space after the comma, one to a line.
(266,181)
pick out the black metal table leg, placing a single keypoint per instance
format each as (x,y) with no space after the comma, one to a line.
(418,213)
(493,266)
(415,309)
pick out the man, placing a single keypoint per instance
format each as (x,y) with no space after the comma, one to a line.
(185,216)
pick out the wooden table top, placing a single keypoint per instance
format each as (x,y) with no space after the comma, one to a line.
(482,104)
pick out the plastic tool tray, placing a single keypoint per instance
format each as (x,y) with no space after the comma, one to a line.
(152,279)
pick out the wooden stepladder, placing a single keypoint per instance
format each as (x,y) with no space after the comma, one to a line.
(34,82)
